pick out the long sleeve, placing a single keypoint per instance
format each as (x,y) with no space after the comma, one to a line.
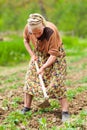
(53,45)
(25,34)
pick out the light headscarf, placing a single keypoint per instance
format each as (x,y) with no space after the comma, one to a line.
(36,20)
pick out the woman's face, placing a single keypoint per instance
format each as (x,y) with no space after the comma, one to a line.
(37,32)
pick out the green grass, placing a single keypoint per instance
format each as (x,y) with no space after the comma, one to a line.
(83,80)
(17,99)
(42,123)
(69,83)
(75,47)
(71,93)
(13,119)
(5,103)
(13,51)
(2,90)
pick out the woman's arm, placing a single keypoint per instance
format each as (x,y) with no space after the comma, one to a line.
(49,62)
(28,47)
(30,51)
(27,41)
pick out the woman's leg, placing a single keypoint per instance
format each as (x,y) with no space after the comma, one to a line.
(64,104)
(65,113)
(27,100)
(27,103)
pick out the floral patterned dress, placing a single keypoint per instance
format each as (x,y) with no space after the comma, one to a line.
(54,76)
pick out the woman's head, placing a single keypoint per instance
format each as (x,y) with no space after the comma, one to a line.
(36,23)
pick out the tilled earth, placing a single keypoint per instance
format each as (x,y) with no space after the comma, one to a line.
(14,77)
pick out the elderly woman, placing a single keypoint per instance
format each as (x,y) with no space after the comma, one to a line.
(49,53)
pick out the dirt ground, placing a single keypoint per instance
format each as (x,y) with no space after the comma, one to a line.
(78,103)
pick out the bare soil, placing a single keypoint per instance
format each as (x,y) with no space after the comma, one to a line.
(78,103)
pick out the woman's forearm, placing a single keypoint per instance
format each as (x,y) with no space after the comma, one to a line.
(28,48)
(49,62)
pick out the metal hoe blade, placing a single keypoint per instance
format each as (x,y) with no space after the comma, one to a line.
(45,104)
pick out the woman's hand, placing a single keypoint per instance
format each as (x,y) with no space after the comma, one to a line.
(41,71)
(34,57)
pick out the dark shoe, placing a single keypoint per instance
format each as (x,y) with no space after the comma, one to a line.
(25,109)
(65,116)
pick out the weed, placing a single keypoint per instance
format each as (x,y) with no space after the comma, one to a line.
(42,123)
(5,103)
(68,82)
(17,99)
(11,79)
(15,118)
(54,104)
(83,80)
(2,90)
(54,128)
(71,93)
(13,87)
(2,127)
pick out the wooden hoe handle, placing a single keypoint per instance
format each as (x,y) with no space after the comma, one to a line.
(41,82)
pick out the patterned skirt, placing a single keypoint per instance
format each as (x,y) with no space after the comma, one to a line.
(54,77)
